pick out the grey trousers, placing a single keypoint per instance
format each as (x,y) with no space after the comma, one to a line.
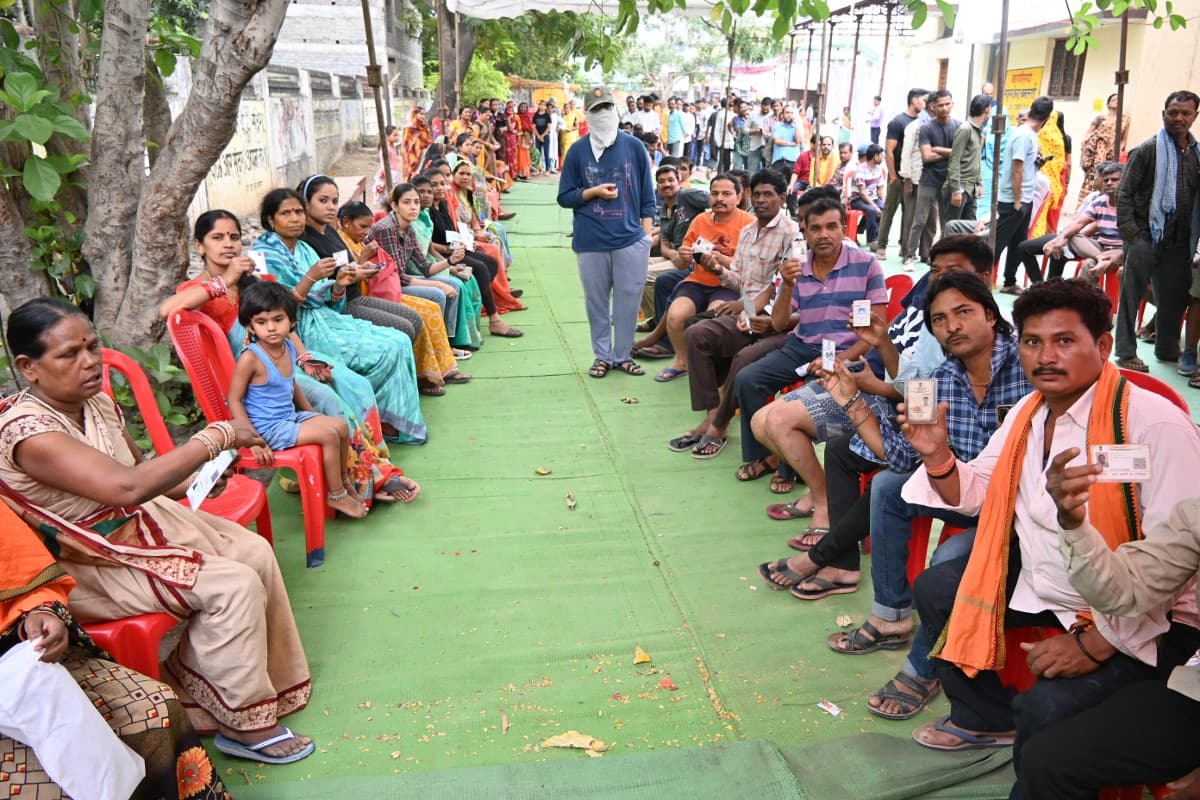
(612,287)
(925,220)
(387,314)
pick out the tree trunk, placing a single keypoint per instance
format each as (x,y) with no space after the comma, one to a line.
(448,53)
(237,44)
(156,122)
(19,282)
(118,157)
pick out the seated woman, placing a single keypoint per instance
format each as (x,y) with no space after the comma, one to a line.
(72,473)
(130,737)
(320,194)
(460,206)
(330,386)
(470,304)
(381,355)
(436,365)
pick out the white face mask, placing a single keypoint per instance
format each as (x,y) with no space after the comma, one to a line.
(602,128)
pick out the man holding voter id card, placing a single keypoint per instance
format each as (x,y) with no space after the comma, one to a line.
(1015,575)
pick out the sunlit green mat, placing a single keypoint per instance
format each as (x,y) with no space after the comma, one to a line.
(490,600)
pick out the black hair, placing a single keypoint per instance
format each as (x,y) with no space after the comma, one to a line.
(1182,96)
(1109,167)
(465,136)
(271,202)
(30,321)
(401,189)
(309,186)
(430,172)
(684,161)
(974,248)
(741,176)
(938,95)
(265,296)
(818,193)
(1109,99)
(420,180)
(727,176)
(823,205)
(1088,301)
(354,210)
(972,287)
(1041,108)
(877,97)
(913,94)
(208,220)
(389,130)
(872,150)
(666,168)
(979,104)
(766,101)
(670,161)
(437,163)
(769,176)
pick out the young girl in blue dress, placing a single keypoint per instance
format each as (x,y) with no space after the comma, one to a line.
(263,394)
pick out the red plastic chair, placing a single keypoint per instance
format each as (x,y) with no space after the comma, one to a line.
(1158,386)
(244,499)
(134,641)
(853,218)
(898,287)
(206,357)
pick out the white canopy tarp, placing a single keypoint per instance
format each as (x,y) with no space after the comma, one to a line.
(498,9)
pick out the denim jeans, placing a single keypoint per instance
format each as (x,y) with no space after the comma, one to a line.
(763,379)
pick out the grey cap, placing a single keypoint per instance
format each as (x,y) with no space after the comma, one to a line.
(597,95)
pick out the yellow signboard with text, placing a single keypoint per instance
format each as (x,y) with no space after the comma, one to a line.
(1021,87)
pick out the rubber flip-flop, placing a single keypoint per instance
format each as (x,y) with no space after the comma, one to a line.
(253,752)
(670,374)
(787,511)
(708,441)
(767,567)
(797,543)
(860,645)
(969,741)
(824,588)
(457,377)
(684,443)
(511,333)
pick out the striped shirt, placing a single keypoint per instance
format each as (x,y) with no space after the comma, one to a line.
(824,306)
(1099,208)
(760,251)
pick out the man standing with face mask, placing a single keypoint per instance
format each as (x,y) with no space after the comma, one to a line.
(606,183)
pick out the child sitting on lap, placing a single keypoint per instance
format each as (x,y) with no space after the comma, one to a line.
(263,394)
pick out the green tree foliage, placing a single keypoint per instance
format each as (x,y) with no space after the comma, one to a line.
(482,81)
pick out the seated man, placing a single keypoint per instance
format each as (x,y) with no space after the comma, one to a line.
(1091,234)
(713,279)
(677,208)
(1015,576)
(821,288)
(713,344)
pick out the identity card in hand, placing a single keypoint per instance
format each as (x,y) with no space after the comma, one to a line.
(702,246)
(341,258)
(920,401)
(828,354)
(207,477)
(860,313)
(1123,463)
(260,261)
(468,238)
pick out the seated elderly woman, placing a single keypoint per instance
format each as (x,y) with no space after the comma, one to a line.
(70,470)
(74,722)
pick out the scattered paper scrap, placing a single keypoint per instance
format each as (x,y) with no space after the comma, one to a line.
(629,400)
(579,741)
(542,470)
(504,723)
(570,501)
(833,709)
(845,620)
(620,697)
(640,656)
(668,684)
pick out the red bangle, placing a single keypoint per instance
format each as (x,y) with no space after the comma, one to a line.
(942,470)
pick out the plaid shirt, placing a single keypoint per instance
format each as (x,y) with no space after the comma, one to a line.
(969,423)
(400,245)
(760,251)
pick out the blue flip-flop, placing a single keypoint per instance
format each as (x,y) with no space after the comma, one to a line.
(670,374)
(253,752)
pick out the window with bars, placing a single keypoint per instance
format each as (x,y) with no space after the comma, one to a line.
(1066,72)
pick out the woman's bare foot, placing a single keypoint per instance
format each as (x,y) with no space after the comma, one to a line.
(800,565)
(281,750)
(343,502)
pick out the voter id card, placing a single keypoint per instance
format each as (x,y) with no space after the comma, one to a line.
(702,246)
(207,476)
(260,261)
(341,258)
(920,401)
(828,354)
(1123,463)
(860,313)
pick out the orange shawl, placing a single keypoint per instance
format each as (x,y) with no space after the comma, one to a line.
(974,636)
(31,575)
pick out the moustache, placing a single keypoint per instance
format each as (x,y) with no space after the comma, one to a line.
(1048,371)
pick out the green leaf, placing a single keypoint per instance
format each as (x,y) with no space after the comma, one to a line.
(781,27)
(7,134)
(1158,23)
(40,179)
(919,15)
(1178,21)
(22,92)
(85,287)
(165,61)
(948,12)
(9,172)
(9,35)
(67,164)
(70,127)
(175,418)
(34,128)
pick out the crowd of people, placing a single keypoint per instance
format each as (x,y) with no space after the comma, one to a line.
(954,409)
(342,318)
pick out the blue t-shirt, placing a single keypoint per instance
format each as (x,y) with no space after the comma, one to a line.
(1022,146)
(675,127)
(602,225)
(785,130)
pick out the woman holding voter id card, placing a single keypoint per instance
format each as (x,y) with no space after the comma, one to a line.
(71,472)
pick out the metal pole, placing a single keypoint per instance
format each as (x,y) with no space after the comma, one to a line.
(807,70)
(970,77)
(1122,79)
(828,64)
(787,83)
(854,61)
(887,37)
(375,81)
(821,87)
(999,121)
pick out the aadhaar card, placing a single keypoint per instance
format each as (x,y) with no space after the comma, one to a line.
(207,476)
(1123,463)
(341,258)
(828,354)
(860,313)
(920,401)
